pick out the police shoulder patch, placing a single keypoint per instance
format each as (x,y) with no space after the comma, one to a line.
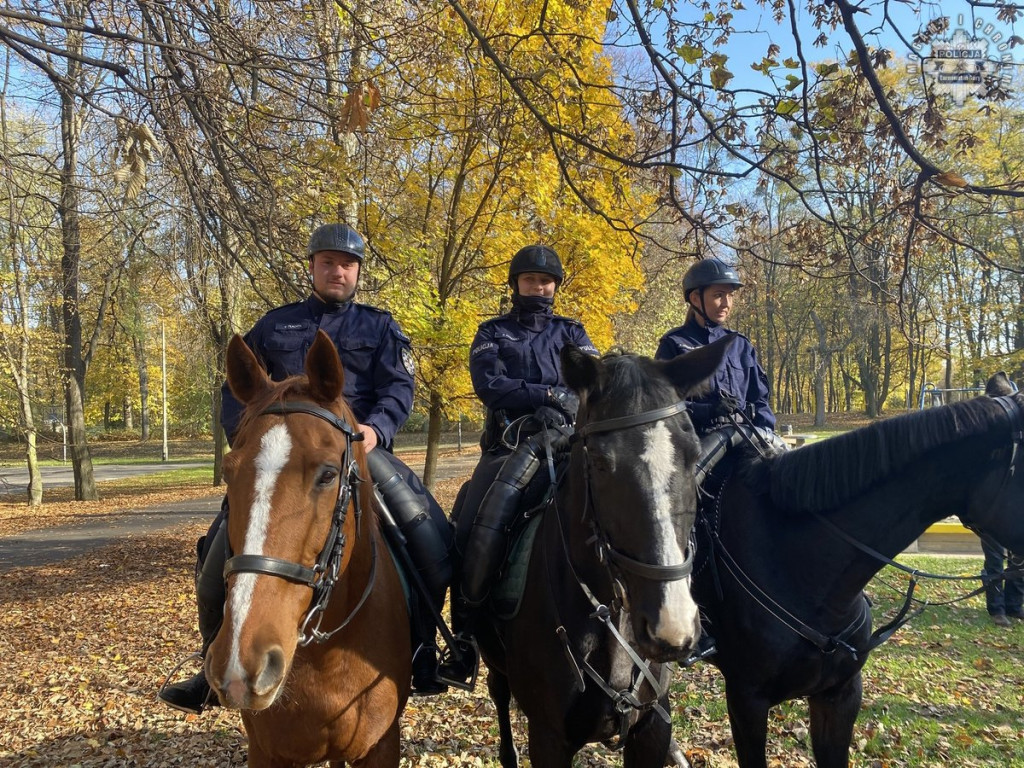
(407,361)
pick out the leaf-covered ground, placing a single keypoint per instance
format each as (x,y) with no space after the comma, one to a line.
(84,644)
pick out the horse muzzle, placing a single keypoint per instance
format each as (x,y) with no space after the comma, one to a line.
(250,686)
(670,632)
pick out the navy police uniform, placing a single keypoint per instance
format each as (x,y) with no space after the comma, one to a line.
(740,374)
(373,349)
(378,370)
(514,368)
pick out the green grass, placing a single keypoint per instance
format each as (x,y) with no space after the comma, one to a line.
(947,689)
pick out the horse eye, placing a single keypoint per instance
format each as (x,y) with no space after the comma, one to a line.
(327,476)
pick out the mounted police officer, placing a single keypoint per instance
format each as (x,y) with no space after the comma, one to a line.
(516,371)
(379,388)
(739,384)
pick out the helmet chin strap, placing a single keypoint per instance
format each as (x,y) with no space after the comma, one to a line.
(702,311)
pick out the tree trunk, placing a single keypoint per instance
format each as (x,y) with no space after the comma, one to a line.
(822,363)
(70,263)
(433,439)
(141,365)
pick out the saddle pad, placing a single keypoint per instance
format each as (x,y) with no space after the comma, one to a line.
(508,592)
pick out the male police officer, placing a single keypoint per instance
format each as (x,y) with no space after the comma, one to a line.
(379,389)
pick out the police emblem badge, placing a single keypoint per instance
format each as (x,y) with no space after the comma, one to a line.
(407,362)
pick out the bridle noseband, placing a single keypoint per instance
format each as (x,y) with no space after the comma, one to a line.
(324,575)
(606,552)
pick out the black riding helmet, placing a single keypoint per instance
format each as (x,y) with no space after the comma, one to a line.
(709,272)
(703,274)
(535,258)
(336,237)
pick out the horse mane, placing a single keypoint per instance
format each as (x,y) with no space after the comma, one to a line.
(824,475)
(626,373)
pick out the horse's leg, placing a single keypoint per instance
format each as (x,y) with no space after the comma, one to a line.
(385,753)
(549,749)
(501,695)
(647,742)
(748,719)
(833,714)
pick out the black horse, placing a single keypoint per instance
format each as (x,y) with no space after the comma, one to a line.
(606,603)
(796,539)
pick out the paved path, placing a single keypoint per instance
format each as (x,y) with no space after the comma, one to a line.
(15,479)
(49,545)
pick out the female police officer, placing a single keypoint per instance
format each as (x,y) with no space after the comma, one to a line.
(739,383)
(515,367)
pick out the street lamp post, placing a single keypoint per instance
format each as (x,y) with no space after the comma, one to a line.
(163,376)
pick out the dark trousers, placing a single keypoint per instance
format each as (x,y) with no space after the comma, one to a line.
(1002,595)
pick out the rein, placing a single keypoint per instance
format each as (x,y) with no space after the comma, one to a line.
(626,700)
(326,572)
(826,643)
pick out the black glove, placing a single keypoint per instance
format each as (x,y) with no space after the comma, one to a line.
(722,403)
(548,416)
(564,400)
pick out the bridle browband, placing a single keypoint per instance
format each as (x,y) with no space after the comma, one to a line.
(324,575)
(606,551)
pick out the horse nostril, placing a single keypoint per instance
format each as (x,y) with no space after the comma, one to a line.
(273,671)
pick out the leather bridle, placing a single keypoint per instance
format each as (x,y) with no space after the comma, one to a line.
(325,573)
(606,552)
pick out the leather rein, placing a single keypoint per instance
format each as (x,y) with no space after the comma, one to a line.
(830,643)
(326,572)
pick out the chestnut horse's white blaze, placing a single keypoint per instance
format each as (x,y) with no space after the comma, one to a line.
(275,449)
(679,619)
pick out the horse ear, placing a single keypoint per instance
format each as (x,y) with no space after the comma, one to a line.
(578,368)
(998,385)
(324,370)
(691,369)
(246,377)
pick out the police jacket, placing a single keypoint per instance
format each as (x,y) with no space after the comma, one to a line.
(513,367)
(739,374)
(374,351)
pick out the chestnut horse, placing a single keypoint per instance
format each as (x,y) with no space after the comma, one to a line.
(315,644)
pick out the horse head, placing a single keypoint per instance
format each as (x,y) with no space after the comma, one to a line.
(289,477)
(631,482)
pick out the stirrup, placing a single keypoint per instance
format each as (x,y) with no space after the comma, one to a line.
(460,672)
(210,696)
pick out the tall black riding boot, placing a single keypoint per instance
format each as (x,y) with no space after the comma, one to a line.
(460,663)
(194,694)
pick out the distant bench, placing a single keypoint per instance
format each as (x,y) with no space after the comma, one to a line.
(798,440)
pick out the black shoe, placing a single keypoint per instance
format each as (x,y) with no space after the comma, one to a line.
(705,648)
(460,672)
(193,695)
